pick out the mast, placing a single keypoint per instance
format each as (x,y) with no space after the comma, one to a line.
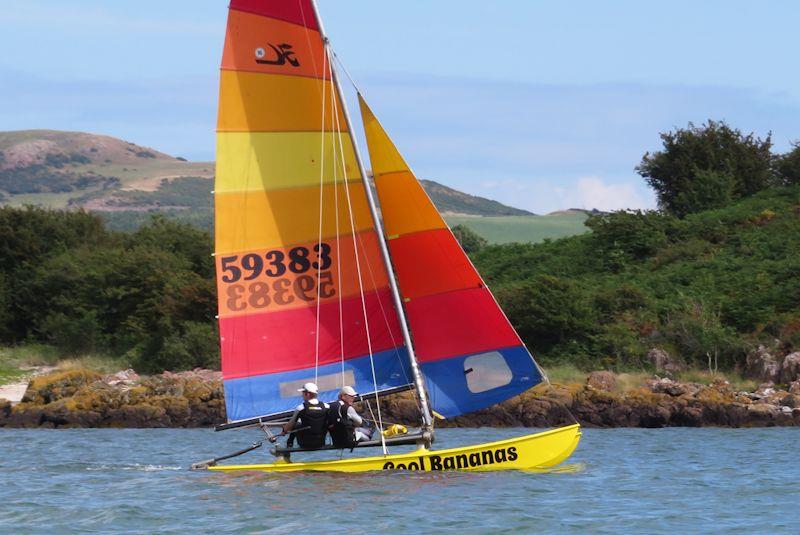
(419,384)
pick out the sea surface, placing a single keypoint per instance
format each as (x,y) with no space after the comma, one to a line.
(618,481)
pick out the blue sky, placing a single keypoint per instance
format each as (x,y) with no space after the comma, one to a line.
(542,105)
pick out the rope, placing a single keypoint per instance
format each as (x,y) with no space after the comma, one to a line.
(358,267)
(319,240)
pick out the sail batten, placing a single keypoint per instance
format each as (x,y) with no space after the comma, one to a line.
(470,355)
(292,223)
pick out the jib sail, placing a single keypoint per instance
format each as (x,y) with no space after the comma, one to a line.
(470,355)
(299,269)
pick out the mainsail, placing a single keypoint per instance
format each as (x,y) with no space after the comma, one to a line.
(303,290)
(469,353)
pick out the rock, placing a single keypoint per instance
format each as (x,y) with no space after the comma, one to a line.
(764,390)
(794,388)
(124,378)
(672,388)
(5,411)
(664,362)
(604,381)
(49,388)
(792,401)
(761,364)
(790,370)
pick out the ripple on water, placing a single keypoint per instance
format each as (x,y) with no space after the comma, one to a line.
(654,481)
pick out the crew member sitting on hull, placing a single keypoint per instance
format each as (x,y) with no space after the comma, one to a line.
(345,424)
(309,418)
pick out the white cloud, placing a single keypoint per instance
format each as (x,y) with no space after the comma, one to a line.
(594,192)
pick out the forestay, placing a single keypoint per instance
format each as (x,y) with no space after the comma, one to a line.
(470,355)
(291,216)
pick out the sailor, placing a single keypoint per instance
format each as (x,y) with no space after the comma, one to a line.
(309,418)
(346,426)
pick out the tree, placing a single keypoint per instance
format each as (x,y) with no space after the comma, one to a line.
(707,167)
(470,241)
(788,166)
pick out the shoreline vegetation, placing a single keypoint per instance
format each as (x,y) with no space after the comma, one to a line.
(707,282)
(82,398)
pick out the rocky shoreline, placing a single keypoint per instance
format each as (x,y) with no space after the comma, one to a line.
(85,399)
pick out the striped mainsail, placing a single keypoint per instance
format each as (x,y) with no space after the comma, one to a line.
(293,228)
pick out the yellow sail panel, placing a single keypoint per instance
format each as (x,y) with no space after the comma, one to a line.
(277,160)
(405,206)
(255,102)
(254,220)
(383,155)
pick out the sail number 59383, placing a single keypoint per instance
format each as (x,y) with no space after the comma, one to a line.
(275,263)
(277,277)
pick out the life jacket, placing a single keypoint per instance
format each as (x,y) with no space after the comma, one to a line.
(314,416)
(342,428)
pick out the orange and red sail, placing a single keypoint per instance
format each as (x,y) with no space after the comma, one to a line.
(469,353)
(291,218)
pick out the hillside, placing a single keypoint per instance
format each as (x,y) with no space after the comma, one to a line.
(451,201)
(126,183)
(521,228)
(57,169)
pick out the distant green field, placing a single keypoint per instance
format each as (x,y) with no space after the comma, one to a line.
(526,228)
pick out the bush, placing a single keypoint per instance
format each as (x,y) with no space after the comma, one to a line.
(706,167)
(470,241)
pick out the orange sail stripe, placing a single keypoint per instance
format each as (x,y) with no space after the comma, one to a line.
(431,262)
(253,220)
(258,44)
(405,206)
(254,102)
(293,277)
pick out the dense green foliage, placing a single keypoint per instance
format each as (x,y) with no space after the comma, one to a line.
(146,296)
(708,286)
(701,168)
(787,166)
(470,242)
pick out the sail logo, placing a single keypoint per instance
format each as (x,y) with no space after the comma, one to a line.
(283,54)
(457,462)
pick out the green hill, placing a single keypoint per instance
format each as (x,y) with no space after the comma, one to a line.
(126,184)
(709,287)
(451,201)
(530,228)
(58,169)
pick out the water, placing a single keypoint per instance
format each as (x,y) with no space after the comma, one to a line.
(622,480)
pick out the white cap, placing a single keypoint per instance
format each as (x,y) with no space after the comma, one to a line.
(309,387)
(349,391)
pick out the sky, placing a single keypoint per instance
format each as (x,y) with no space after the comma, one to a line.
(540,105)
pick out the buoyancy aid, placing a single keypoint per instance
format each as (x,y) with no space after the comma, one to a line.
(342,428)
(313,416)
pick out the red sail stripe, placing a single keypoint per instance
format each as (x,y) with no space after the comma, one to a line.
(297,11)
(283,341)
(458,323)
(431,262)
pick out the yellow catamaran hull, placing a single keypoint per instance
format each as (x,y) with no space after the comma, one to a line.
(539,450)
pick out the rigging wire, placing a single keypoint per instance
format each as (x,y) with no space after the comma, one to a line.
(319,240)
(358,268)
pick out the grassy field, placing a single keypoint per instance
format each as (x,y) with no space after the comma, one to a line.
(531,228)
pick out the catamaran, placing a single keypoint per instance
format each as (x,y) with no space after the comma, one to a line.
(316,283)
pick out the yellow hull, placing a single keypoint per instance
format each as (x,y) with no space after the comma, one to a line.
(540,450)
